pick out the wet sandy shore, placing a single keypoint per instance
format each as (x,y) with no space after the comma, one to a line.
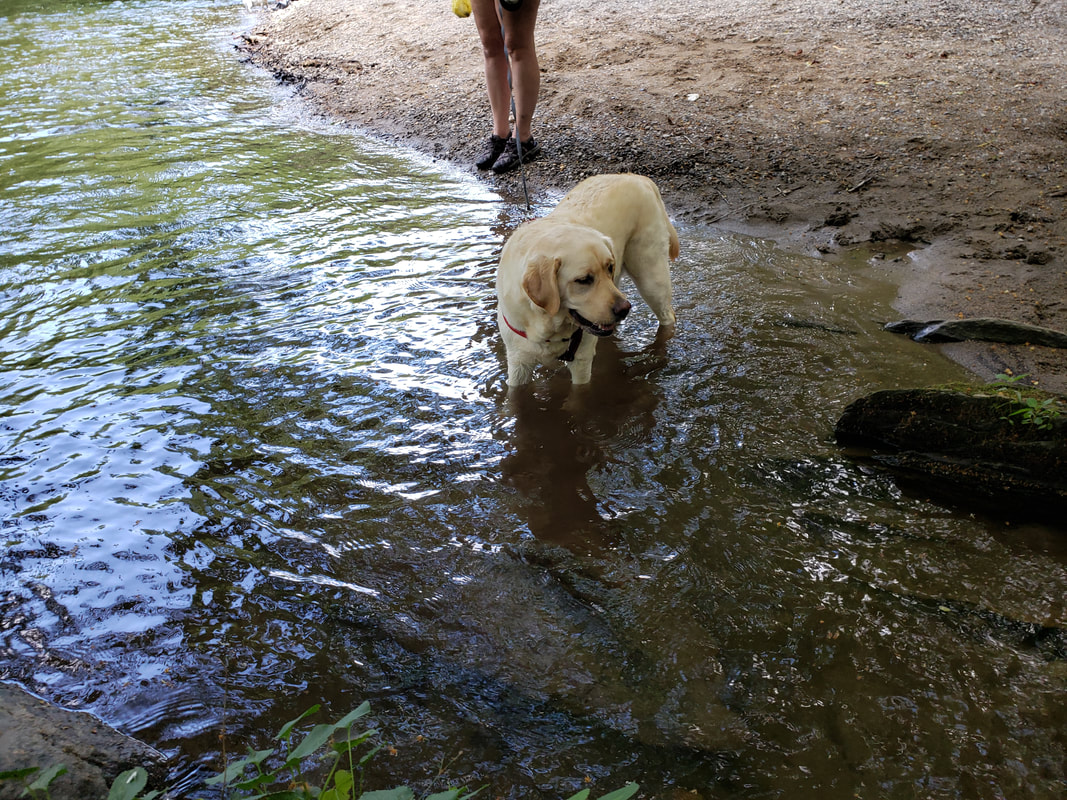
(935,128)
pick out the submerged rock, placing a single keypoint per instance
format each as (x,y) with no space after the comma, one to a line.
(967,447)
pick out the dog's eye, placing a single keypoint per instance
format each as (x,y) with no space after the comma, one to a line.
(611,268)
(586,281)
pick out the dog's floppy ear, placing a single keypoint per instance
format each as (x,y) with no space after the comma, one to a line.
(540,283)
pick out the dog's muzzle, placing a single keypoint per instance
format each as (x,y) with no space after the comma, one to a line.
(619,311)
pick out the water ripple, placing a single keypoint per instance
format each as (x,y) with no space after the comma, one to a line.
(255,453)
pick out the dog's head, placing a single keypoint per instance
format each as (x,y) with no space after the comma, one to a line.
(574,271)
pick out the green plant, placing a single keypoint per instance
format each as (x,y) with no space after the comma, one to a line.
(39,786)
(287,772)
(627,791)
(344,779)
(1028,405)
(254,775)
(126,786)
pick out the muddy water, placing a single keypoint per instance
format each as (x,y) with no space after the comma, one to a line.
(256,453)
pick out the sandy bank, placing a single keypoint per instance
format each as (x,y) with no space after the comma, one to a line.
(820,124)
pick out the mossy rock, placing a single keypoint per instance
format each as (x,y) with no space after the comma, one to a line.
(965,446)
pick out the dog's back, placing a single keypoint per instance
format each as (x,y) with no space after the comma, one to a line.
(621,207)
(629,210)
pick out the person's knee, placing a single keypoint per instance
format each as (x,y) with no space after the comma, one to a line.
(521,52)
(519,41)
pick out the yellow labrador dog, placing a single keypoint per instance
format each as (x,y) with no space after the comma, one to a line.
(558,275)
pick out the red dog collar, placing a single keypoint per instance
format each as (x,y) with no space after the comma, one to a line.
(572,348)
(513,328)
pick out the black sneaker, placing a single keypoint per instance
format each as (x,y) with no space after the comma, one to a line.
(493,148)
(509,159)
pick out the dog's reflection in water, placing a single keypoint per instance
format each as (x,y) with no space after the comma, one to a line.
(563,433)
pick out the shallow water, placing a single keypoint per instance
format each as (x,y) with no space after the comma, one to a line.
(256,453)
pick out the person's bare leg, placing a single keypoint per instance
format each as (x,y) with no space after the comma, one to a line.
(496,64)
(525,70)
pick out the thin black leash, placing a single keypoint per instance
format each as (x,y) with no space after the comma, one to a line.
(514,113)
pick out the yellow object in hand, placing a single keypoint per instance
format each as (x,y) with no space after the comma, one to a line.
(461,8)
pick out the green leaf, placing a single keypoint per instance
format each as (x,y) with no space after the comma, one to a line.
(399,793)
(343,786)
(370,754)
(44,780)
(253,782)
(627,791)
(582,795)
(352,716)
(344,782)
(345,745)
(128,785)
(17,774)
(287,728)
(257,757)
(231,772)
(460,794)
(316,738)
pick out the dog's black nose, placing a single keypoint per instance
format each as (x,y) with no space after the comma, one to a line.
(621,309)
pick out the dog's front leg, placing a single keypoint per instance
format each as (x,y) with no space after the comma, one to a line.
(520,372)
(582,366)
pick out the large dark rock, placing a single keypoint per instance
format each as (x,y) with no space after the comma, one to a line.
(960,446)
(34,733)
(979,329)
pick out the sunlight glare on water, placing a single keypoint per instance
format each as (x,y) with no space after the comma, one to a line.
(256,454)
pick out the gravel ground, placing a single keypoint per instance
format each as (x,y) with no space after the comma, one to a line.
(939,125)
